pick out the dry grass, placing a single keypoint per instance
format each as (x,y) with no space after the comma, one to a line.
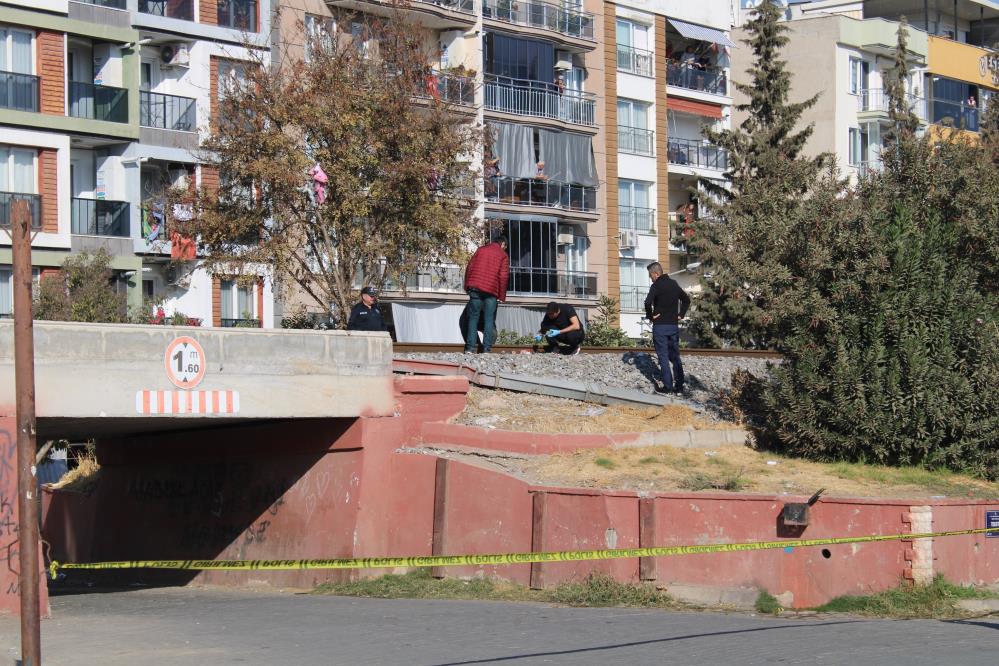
(744,469)
(507,410)
(84,477)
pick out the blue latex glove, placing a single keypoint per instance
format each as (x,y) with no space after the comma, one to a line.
(537,338)
(553,332)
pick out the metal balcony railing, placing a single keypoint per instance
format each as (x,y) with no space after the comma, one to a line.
(524,97)
(875,100)
(170,112)
(636,140)
(446,279)
(240,323)
(238,14)
(89,100)
(954,114)
(100,217)
(538,192)
(633,298)
(110,4)
(642,220)
(18,92)
(540,14)
(688,152)
(636,61)
(552,282)
(705,79)
(450,87)
(178,9)
(7,200)
(463,6)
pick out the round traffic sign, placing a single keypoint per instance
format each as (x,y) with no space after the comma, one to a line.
(185,362)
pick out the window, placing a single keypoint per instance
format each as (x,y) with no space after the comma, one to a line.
(859,144)
(317,29)
(634,135)
(634,209)
(634,284)
(7,289)
(16,51)
(17,170)
(633,48)
(575,254)
(238,304)
(859,72)
(232,74)
(516,58)
(533,255)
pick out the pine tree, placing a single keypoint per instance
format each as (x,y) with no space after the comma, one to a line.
(741,242)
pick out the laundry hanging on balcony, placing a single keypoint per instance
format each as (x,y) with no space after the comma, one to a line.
(182,246)
(319,181)
(153,222)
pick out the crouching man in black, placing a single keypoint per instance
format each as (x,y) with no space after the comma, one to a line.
(561,329)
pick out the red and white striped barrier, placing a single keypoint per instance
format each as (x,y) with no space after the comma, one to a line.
(187,402)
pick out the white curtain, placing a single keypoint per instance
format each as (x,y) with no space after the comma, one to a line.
(22,171)
(427,322)
(6,304)
(227,287)
(21,51)
(514,146)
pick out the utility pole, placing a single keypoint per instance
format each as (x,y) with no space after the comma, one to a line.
(27,481)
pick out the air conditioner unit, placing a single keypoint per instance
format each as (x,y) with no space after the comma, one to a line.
(563,60)
(175,54)
(565,236)
(628,239)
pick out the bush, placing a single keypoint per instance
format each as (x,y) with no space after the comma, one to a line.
(601,331)
(82,291)
(513,339)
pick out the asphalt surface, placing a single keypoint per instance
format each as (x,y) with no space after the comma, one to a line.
(211,626)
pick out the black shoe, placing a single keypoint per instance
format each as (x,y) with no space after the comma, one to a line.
(663,390)
(678,389)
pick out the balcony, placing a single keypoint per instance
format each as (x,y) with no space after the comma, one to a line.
(636,140)
(538,192)
(450,88)
(692,77)
(642,220)
(96,102)
(100,217)
(681,230)
(635,61)
(18,92)
(170,112)
(463,6)
(240,323)
(7,200)
(543,15)
(875,101)
(110,4)
(953,114)
(633,298)
(524,97)
(552,282)
(177,9)
(238,14)
(688,152)
(443,279)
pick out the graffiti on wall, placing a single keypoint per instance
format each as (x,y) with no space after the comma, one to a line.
(8,505)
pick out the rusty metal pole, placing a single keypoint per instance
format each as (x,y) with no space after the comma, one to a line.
(27,481)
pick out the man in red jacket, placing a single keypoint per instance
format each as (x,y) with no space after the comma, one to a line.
(485,282)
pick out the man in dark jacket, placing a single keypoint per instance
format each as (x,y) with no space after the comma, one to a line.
(561,329)
(365,316)
(665,305)
(485,282)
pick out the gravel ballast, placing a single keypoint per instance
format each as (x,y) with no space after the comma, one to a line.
(706,376)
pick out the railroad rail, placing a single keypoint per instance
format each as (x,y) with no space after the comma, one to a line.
(434,348)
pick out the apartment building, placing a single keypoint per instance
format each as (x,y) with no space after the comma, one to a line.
(953,73)
(103,104)
(668,74)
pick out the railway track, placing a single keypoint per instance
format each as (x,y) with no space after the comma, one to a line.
(430,348)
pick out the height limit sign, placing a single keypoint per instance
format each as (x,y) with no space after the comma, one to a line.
(185,362)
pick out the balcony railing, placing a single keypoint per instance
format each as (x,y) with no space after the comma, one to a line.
(552,282)
(178,9)
(450,87)
(698,154)
(89,100)
(537,192)
(110,4)
(100,217)
(18,92)
(633,298)
(447,279)
(636,140)
(240,323)
(540,14)
(705,79)
(953,114)
(238,14)
(463,6)
(873,100)
(524,97)
(7,200)
(170,112)
(642,220)
(636,61)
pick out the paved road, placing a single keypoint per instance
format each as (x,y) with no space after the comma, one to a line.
(210,626)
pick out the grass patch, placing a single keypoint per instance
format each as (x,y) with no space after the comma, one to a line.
(767,604)
(730,481)
(606,463)
(917,601)
(648,460)
(596,591)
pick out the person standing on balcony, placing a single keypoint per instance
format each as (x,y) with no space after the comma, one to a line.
(365,316)
(560,329)
(486,279)
(665,306)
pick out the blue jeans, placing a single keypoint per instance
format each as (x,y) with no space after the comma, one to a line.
(666,338)
(480,303)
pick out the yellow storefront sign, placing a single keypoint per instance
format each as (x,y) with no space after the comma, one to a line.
(963,62)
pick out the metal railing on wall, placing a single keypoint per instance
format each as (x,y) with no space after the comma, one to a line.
(539,14)
(100,217)
(539,98)
(171,112)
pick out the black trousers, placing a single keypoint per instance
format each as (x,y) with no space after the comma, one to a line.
(564,342)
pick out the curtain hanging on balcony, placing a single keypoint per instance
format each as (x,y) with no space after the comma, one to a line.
(568,157)
(514,146)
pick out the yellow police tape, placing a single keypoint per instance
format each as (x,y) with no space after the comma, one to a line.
(505,558)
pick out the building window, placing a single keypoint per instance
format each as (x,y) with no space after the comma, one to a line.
(575,254)
(516,58)
(16,51)
(634,135)
(634,209)
(239,307)
(633,53)
(7,289)
(533,255)
(17,170)
(232,75)
(859,72)
(859,145)
(318,29)
(634,284)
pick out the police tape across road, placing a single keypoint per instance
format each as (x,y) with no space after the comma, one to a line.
(504,558)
